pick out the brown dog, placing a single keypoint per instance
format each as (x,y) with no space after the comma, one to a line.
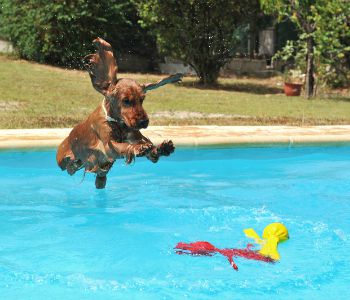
(112,131)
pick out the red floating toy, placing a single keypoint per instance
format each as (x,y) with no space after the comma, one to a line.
(273,234)
(207,249)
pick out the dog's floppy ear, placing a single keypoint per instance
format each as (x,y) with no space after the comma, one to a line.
(171,79)
(102,66)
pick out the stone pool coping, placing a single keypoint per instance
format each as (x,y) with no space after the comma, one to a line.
(194,135)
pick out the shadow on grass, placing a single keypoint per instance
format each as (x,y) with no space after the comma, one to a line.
(252,88)
(251,121)
(335,97)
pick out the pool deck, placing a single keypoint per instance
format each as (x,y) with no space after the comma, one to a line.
(194,135)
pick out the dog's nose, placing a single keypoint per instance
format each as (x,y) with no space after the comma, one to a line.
(143,123)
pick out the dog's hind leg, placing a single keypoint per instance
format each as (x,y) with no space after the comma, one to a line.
(101,171)
(100,181)
(73,166)
(63,154)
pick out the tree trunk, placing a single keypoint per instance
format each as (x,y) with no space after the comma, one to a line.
(208,73)
(252,39)
(208,79)
(310,80)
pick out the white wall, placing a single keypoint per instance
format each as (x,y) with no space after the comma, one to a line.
(5,47)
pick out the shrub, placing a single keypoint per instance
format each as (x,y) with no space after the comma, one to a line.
(199,32)
(60,32)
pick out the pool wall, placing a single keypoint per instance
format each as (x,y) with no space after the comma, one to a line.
(194,135)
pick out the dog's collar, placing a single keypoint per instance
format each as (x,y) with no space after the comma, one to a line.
(108,118)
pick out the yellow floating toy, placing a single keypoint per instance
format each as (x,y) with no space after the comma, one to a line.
(273,234)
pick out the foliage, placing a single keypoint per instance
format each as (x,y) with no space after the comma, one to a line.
(300,13)
(60,32)
(294,76)
(332,38)
(199,32)
(293,55)
(328,24)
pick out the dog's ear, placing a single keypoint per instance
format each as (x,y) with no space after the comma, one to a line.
(171,79)
(102,66)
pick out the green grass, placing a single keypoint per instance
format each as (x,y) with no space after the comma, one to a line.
(34,96)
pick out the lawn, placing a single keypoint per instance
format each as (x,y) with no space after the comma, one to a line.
(34,96)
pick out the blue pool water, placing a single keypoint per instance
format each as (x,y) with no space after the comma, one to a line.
(62,239)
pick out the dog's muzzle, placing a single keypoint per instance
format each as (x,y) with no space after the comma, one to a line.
(143,123)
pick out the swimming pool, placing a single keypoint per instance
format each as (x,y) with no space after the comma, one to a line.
(61,238)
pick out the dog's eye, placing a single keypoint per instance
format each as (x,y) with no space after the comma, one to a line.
(127,102)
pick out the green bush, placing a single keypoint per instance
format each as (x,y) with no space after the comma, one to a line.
(202,33)
(60,31)
(325,26)
(333,43)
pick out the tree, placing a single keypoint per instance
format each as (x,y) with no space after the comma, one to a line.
(299,12)
(332,37)
(324,37)
(199,32)
(60,32)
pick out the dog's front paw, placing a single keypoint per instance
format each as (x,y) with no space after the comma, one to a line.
(142,149)
(137,151)
(166,148)
(153,155)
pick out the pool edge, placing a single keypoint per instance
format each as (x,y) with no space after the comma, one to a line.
(193,136)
